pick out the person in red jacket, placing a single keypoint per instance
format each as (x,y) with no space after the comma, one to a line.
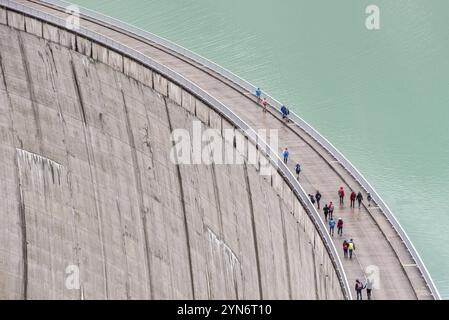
(353,196)
(340,226)
(345,248)
(341,195)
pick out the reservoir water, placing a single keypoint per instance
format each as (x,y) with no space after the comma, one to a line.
(380,96)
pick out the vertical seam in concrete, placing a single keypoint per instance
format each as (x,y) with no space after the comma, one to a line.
(317,296)
(152,77)
(147,140)
(22,217)
(238,241)
(220,219)
(217,200)
(23,225)
(97,211)
(326,277)
(78,93)
(139,191)
(253,226)
(52,59)
(123,243)
(35,108)
(29,82)
(300,250)
(69,170)
(186,227)
(287,260)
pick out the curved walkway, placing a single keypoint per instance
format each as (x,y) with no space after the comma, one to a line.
(377,243)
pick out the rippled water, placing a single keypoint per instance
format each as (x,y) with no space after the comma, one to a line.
(382,97)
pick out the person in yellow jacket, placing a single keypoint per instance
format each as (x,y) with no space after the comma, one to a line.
(351,248)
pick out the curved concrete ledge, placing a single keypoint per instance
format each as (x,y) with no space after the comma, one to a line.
(75,134)
(303,125)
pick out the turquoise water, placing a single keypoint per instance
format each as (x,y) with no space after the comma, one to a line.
(381,97)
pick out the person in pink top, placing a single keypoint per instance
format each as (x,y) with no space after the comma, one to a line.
(264,104)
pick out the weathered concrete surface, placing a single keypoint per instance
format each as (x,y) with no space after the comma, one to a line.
(84,46)
(378,244)
(87,181)
(16,20)
(3,16)
(33,26)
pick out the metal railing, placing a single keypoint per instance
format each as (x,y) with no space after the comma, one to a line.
(347,165)
(271,155)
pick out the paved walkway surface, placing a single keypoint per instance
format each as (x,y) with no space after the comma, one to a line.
(378,247)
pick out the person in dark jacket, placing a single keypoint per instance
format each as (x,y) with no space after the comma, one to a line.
(318,198)
(359,198)
(312,199)
(369,198)
(341,195)
(298,169)
(359,288)
(352,198)
(326,212)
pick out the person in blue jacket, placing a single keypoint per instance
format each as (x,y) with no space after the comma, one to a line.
(258,94)
(331,226)
(285,112)
(285,155)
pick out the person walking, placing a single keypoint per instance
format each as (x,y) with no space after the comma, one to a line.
(369,198)
(318,198)
(345,248)
(341,195)
(331,226)
(352,198)
(285,155)
(359,198)
(351,248)
(258,94)
(340,226)
(298,169)
(312,199)
(326,212)
(285,112)
(331,209)
(369,288)
(359,288)
(264,104)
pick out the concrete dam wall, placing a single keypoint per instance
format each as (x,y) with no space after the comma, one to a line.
(87,185)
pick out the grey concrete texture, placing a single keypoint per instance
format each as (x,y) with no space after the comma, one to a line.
(87,180)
